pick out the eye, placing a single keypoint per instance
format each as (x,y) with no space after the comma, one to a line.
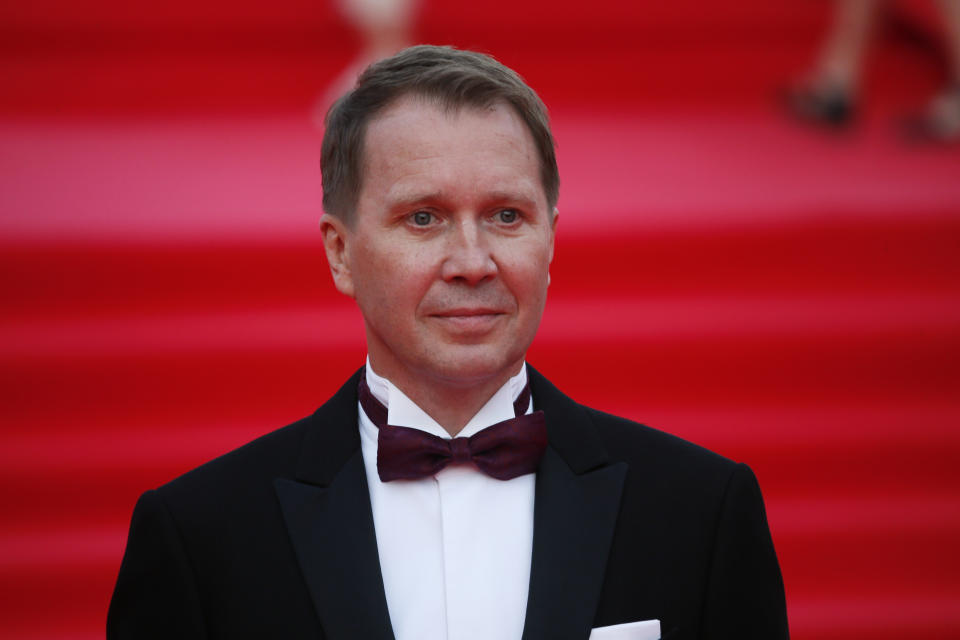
(422,218)
(508,216)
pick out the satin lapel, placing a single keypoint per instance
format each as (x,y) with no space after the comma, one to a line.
(330,522)
(575,513)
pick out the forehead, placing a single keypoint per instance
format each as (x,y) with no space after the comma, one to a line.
(418,145)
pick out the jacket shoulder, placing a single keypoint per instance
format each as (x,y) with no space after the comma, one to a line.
(322,439)
(626,439)
(586,436)
(271,455)
(660,458)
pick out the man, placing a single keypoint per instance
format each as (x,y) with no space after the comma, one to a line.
(541,518)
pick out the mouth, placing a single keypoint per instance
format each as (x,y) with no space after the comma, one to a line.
(467,312)
(469,320)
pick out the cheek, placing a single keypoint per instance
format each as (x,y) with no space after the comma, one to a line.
(370,277)
(389,280)
(527,278)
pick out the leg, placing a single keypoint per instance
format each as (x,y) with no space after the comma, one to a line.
(951,18)
(841,60)
(940,121)
(386,27)
(828,95)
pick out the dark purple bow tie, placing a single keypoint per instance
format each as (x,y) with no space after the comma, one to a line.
(503,451)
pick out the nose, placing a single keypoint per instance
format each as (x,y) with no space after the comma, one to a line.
(469,259)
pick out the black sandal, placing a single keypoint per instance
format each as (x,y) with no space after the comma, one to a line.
(827,105)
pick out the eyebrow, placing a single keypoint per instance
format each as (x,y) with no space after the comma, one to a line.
(519,197)
(404,200)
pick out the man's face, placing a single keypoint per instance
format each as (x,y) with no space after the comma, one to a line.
(449,251)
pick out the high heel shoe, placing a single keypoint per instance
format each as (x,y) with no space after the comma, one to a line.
(939,122)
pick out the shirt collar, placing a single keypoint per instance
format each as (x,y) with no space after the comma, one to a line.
(404,412)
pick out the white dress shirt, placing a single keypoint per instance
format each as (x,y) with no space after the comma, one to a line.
(454,548)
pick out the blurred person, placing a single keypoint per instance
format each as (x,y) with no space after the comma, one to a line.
(832,91)
(385,26)
(448,490)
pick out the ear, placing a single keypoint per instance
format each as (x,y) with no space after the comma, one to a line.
(553,238)
(336,241)
(553,230)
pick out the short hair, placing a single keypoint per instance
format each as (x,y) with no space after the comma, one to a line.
(454,78)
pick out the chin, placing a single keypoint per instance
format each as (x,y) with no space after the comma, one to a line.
(470,365)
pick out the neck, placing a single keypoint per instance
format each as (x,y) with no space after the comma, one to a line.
(453,408)
(451,403)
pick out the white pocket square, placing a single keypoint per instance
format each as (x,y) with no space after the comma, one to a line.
(642,630)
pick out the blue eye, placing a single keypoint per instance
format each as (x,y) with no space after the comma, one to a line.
(422,218)
(508,216)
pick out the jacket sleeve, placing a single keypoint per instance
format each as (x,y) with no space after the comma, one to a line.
(156,594)
(745,596)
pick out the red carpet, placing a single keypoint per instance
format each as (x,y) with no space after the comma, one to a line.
(786,298)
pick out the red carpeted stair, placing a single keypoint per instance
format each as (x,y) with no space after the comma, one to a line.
(787,298)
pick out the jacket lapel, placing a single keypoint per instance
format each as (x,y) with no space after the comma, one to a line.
(330,522)
(575,513)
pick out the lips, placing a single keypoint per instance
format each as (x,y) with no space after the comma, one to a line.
(467,312)
(472,320)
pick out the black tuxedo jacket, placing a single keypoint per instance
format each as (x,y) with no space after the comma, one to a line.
(276,539)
